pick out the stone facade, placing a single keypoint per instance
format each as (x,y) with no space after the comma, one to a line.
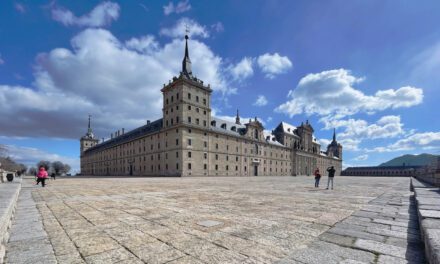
(188,141)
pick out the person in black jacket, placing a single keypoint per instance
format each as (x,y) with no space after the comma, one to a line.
(331,174)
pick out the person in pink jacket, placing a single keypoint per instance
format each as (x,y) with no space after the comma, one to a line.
(42,176)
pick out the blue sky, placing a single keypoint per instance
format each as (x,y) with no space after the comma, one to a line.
(370,69)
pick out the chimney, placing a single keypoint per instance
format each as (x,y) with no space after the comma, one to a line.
(148,122)
(122,131)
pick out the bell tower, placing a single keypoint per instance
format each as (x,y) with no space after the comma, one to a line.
(88,140)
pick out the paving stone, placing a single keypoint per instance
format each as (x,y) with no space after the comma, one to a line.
(430,213)
(390,250)
(262,220)
(432,242)
(384,259)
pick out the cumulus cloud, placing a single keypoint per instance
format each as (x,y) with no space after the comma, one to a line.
(118,83)
(332,93)
(273,64)
(180,7)
(422,141)
(218,27)
(31,156)
(361,157)
(179,29)
(102,15)
(243,69)
(386,127)
(261,101)
(21,8)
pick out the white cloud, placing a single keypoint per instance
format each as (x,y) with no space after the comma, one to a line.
(179,29)
(386,127)
(118,83)
(20,7)
(361,157)
(31,156)
(332,93)
(261,101)
(102,15)
(422,141)
(243,69)
(273,64)
(218,27)
(269,119)
(180,7)
(357,130)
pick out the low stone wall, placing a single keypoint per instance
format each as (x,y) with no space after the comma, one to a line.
(432,178)
(428,208)
(8,200)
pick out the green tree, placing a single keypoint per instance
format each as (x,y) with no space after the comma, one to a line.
(43,163)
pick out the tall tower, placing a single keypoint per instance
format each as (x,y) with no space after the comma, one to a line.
(186,100)
(88,140)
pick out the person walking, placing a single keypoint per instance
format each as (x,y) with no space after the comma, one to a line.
(42,176)
(331,174)
(317,178)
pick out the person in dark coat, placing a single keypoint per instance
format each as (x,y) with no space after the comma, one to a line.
(331,174)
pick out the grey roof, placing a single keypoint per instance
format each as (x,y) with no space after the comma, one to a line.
(227,127)
(128,136)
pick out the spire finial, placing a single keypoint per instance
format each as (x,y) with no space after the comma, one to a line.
(186,63)
(237,119)
(88,127)
(334,134)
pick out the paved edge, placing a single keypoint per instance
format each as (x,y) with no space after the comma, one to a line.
(428,211)
(9,192)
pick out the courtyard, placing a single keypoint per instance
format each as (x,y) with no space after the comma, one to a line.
(216,220)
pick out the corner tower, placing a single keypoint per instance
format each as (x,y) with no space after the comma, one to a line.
(186,99)
(88,140)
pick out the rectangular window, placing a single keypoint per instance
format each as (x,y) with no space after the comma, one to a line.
(177,142)
(205,155)
(189,107)
(189,119)
(227,167)
(177,166)
(189,166)
(204,123)
(177,119)
(205,166)
(189,154)
(197,121)
(189,142)
(236,158)
(204,101)
(227,158)
(216,145)
(205,144)
(177,96)
(197,99)
(177,154)
(189,96)
(216,156)
(197,109)
(216,167)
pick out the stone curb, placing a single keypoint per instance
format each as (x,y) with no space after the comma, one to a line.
(8,202)
(428,211)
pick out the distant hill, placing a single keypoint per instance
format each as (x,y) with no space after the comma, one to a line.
(414,160)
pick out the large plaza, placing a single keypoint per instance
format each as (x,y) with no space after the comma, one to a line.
(215,220)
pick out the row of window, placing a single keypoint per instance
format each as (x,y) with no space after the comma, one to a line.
(189,98)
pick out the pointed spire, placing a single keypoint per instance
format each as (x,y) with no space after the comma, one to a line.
(186,63)
(334,134)
(89,129)
(237,119)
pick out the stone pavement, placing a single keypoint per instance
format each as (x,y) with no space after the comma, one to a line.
(219,220)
